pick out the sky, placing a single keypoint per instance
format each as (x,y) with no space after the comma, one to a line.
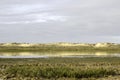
(46,21)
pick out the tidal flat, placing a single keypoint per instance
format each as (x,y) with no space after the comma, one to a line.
(60,68)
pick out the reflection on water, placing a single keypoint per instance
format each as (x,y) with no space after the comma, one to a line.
(56,54)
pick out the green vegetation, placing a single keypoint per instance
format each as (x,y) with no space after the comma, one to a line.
(59,68)
(17,47)
(104,68)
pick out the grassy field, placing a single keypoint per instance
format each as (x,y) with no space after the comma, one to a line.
(59,49)
(15,47)
(60,69)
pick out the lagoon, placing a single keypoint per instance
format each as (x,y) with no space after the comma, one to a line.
(56,54)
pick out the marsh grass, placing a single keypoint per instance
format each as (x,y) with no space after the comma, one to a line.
(57,72)
(56,68)
(54,48)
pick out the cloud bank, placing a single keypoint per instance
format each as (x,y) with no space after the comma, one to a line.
(59,21)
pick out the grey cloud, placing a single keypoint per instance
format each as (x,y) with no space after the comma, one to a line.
(59,20)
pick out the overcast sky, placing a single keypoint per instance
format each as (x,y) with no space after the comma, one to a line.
(47,21)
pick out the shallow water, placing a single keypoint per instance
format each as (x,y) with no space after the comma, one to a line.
(56,54)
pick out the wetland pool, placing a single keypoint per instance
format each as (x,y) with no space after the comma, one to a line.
(56,54)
